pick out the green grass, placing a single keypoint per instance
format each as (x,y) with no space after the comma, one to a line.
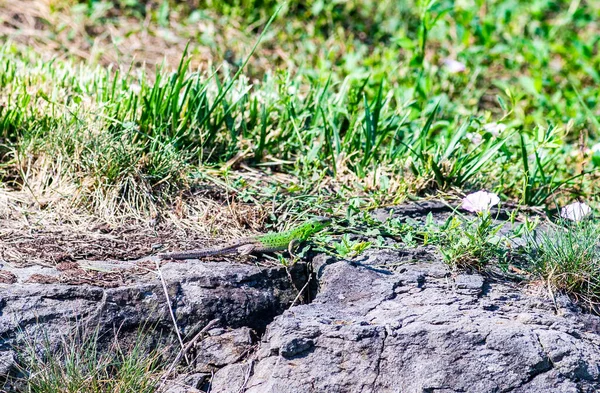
(380,118)
(467,244)
(79,363)
(566,258)
(140,146)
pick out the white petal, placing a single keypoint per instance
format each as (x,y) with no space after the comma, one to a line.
(575,211)
(494,128)
(476,139)
(454,66)
(480,201)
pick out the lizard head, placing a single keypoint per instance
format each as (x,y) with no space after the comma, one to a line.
(317,224)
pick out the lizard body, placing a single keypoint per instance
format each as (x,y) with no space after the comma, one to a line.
(270,242)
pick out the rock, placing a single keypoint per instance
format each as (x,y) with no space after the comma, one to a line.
(232,378)
(469,284)
(418,209)
(238,295)
(7,362)
(418,330)
(387,321)
(186,383)
(221,348)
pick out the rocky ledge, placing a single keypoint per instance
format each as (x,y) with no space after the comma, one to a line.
(386,321)
(238,296)
(377,326)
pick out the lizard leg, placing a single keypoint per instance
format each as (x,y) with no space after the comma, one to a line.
(246,249)
(293,244)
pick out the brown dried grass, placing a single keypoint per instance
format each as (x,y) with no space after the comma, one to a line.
(56,29)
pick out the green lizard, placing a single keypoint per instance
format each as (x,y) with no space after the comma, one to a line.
(270,242)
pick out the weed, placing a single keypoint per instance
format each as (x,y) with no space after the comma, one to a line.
(463,242)
(350,248)
(79,364)
(566,259)
(470,244)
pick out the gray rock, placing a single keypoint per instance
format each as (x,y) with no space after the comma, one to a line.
(238,295)
(387,321)
(187,383)
(418,209)
(221,348)
(7,362)
(418,330)
(469,284)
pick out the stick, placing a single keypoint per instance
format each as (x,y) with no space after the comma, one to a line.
(184,350)
(164,285)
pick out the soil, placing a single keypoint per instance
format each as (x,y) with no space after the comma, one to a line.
(100,255)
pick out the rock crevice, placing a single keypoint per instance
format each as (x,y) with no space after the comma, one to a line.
(438,332)
(375,325)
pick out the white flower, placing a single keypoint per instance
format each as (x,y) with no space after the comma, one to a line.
(135,88)
(480,201)
(454,66)
(577,152)
(595,148)
(476,139)
(575,211)
(494,128)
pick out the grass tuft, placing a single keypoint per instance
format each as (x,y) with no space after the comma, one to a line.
(567,258)
(78,364)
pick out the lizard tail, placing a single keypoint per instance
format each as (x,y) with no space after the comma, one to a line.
(193,254)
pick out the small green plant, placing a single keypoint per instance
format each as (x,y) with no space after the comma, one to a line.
(470,244)
(350,248)
(567,259)
(413,233)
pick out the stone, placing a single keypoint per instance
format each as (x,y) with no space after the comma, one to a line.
(417,330)
(386,321)
(222,347)
(240,296)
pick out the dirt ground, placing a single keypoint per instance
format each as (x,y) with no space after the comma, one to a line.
(59,245)
(112,37)
(102,255)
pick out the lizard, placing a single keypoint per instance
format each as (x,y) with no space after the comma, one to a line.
(269,242)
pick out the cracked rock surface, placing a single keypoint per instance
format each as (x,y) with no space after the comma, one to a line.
(388,321)
(241,297)
(417,328)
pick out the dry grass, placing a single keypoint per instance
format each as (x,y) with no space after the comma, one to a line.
(34,24)
(52,203)
(49,235)
(109,37)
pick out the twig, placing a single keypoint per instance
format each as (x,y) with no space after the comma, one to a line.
(195,339)
(212,376)
(185,349)
(300,292)
(164,285)
(247,377)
